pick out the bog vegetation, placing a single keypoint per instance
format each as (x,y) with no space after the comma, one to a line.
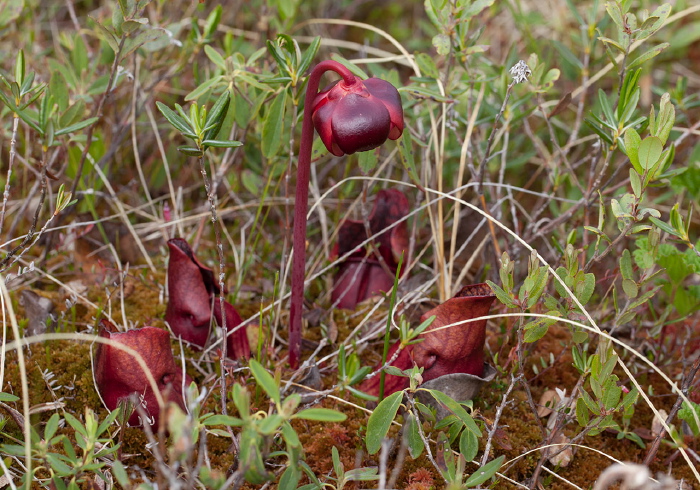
(495,284)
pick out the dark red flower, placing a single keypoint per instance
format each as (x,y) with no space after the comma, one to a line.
(118,375)
(361,275)
(358,116)
(456,349)
(192,292)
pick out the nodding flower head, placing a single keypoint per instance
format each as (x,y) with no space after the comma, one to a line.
(358,116)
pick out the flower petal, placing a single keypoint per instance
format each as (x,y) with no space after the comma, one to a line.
(322,122)
(391,98)
(360,123)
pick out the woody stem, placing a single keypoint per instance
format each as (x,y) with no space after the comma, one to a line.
(301,204)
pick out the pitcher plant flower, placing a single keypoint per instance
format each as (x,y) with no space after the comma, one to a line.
(117,373)
(364,274)
(351,115)
(445,349)
(191,302)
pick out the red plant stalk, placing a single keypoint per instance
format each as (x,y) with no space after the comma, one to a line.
(352,115)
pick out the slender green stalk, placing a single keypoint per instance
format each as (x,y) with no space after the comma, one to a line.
(392,303)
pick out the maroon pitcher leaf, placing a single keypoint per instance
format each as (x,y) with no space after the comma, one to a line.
(392,383)
(237,344)
(192,290)
(459,348)
(362,275)
(118,374)
(446,350)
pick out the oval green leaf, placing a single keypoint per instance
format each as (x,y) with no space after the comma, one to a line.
(649,152)
(321,414)
(265,380)
(380,421)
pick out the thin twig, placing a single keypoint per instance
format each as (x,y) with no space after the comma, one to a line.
(6,194)
(685,386)
(497,418)
(222,264)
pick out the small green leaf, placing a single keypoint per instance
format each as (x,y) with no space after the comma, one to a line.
(77,126)
(265,381)
(615,14)
(321,414)
(356,70)
(611,396)
(413,438)
(337,464)
(273,124)
(216,116)
(120,474)
(190,151)
(380,421)
(367,160)
(8,397)
(19,67)
(485,472)
(502,296)
(426,64)
(664,226)
(630,288)
(406,152)
(646,56)
(468,445)
(535,330)
(456,409)
(626,264)
(612,43)
(582,414)
(636,183)
(222,144)
(270,424)
(650,150)
(605,106)
(309,55)
(215,57)
(442,44)
(290,435)
(204,88)
(223,420)
(176,120)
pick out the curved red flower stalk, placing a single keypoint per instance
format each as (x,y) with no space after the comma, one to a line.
(118,375)
(352,115)
(456,349)
(191,292)
(362,276)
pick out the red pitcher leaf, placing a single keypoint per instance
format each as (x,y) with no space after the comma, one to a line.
(455,349)
(192,290)
(117,374)
(460,348)
(237,345)
(362,276)
(392,383)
